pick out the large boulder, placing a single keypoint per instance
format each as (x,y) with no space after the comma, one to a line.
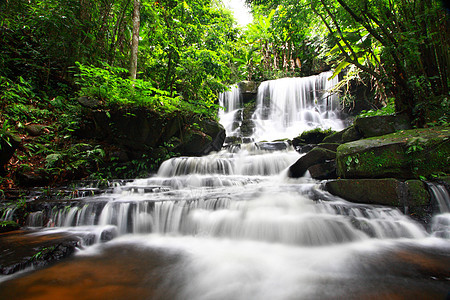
(209,137)
(346,135)
(315,156)
(307,140)
(382,125)
(137,129)
(325,170)
(386,191)
(405,154)
(142,131)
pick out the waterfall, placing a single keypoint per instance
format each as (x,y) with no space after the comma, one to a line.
(231,102)
(441,196)
(232,225)
(288,106)
(440,222)
(285,107)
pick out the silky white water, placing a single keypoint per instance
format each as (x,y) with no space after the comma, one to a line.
(231,225)
(286,107)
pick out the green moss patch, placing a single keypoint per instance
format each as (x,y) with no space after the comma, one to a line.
(408,154)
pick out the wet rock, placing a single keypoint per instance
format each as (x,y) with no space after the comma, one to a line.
(411,196)
(248,90)
(31,179)
(233,140)
(386,191)
(314,136)
(334,137)
(210,137)
(304,148)
(248,87)
(108,234)
(372,159)
(351,134)
(405,154)
(21,249)
(382,125)
(135,130)
(325,170)
(313,157)
(272,146)
(247,127)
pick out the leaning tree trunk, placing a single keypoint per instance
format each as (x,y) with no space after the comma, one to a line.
(135,39)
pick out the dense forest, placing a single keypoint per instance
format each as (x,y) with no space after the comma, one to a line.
(174,58)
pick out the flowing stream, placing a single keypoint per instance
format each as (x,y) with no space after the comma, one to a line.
(231,225)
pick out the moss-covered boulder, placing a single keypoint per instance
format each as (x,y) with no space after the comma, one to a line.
(207,138)
(141,130)
(349,134)
(405,154)
(411,194)
(382,125)
(314,136)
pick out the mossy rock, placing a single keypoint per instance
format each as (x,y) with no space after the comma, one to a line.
(386,191)
(382,125)
(349,134)
(406,154)
(325,170)
(334,137)
(418,194)
(314,136)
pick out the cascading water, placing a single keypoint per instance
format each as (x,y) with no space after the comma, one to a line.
(441,221)
(286,107)
(231,103)
(231,225)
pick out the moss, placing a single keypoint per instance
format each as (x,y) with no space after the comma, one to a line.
(405,154)
(429,157)
(372,162)
(417,193)
(314,136)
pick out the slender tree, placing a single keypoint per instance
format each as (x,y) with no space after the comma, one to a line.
(135,38)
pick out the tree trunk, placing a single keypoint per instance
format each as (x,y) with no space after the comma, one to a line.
(135,39)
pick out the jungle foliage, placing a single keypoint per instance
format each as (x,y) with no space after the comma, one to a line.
(400,48)
(53,51)
(185,48)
